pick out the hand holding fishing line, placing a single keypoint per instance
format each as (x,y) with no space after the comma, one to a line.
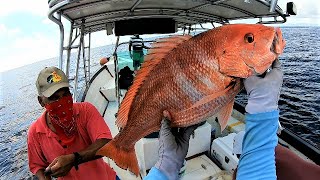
(60,166)
(264,92)
(173,147)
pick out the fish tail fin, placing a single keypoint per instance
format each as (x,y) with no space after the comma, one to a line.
(124,158)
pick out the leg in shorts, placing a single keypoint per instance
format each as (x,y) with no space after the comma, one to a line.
(137,57)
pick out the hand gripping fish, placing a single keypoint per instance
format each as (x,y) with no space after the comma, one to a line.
(193,78)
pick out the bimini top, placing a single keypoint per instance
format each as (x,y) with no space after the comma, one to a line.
(97,14)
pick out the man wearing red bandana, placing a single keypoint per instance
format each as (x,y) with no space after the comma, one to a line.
(63,141)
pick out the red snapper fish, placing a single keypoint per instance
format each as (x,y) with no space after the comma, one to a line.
(193,78)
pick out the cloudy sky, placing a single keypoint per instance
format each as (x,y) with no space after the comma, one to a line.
(27,35)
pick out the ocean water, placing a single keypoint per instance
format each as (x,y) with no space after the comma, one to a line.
(299,100)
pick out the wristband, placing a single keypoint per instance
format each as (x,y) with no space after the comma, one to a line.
(77,160)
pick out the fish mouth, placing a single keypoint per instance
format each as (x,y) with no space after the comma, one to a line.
(276,48)
(274,43)
(278,43)
(251,71)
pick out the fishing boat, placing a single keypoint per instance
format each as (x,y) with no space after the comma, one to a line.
(210,151)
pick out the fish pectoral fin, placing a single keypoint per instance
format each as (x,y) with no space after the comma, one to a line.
(210,97)
(125,159)
(200,109)
(218,102)
(224,114)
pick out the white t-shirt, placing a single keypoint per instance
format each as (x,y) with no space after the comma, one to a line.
(137,43)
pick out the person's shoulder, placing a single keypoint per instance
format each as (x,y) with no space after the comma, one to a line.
(84,105)
(34,126)
(32,133)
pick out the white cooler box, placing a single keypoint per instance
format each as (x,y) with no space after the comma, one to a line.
(221,149)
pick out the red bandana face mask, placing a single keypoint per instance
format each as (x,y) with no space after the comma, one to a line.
(61,115)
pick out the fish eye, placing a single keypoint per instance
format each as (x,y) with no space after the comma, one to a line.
(249,38)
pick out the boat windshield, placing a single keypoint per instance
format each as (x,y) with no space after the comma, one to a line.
(124,59)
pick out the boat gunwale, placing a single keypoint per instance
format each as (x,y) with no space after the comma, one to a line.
(292,138)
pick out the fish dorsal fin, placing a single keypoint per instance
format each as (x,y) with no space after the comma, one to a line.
(163,46)
(155,55)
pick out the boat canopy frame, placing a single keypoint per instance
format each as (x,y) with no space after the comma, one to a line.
(89,16)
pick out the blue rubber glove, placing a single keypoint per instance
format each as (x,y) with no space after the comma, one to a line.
(264,92)
(172,148)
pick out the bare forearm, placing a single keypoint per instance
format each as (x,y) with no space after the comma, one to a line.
(62,164)
(89,153)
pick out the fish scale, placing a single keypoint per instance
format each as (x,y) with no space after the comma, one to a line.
(192,78)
